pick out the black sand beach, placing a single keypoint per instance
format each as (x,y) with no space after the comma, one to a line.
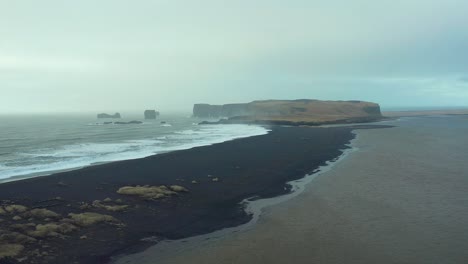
(218,178)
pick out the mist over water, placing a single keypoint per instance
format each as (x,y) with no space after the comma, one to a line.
(35,146)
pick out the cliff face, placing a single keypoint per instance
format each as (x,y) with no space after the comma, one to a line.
(291,111)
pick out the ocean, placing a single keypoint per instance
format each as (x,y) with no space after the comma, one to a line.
(40,145)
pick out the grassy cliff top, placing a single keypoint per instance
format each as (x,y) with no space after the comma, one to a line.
(311,110)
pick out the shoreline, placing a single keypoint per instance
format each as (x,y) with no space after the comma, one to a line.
(49,172)
(253,166)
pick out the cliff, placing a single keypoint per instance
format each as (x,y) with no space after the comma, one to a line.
(305,112)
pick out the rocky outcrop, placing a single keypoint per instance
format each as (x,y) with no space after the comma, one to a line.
(151,114)
(104,115)
(134,122)
(292,112)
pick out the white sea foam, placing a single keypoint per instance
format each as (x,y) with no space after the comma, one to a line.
(45,161)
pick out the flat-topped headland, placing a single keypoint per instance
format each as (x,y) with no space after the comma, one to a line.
(91,214)
(291,112)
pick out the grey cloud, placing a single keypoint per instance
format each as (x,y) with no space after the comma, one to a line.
(63,55)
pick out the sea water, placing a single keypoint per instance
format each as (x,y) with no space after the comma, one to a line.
(40,145)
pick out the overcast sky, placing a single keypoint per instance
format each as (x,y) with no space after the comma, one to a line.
(89,55)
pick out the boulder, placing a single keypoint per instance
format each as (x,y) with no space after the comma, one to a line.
(88,219)
(10,250)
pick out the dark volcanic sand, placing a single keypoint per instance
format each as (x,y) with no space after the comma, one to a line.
(255,166)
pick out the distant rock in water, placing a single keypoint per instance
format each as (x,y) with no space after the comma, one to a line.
(151,114)
(128,123)
(292,112)
(104,115)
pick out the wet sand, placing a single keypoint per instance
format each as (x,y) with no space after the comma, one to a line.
(402,198)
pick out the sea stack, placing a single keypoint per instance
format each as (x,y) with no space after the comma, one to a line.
(104,115)
(151,114)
